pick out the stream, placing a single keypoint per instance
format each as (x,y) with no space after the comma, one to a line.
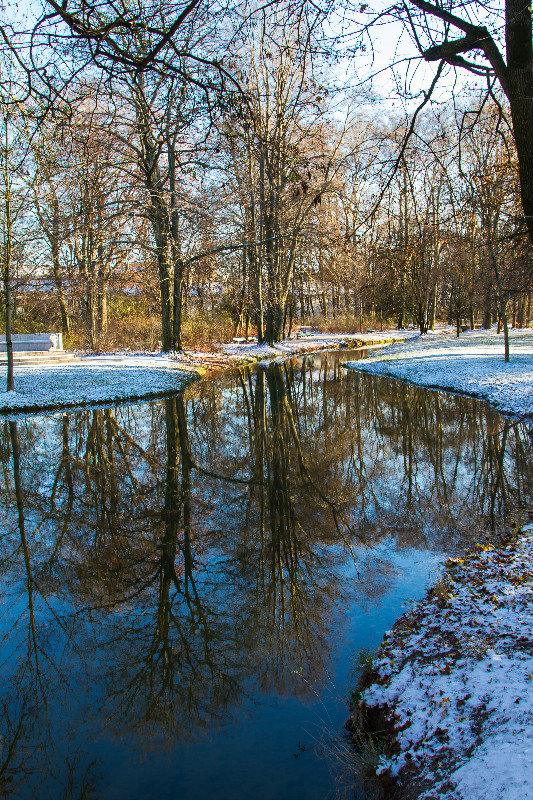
(186,582)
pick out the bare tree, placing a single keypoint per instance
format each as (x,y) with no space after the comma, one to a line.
(292,157)
(13,201)
(495,46)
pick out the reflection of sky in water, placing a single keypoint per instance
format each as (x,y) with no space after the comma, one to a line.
(192,634)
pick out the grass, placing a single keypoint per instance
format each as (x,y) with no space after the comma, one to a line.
(359,675)
(357,753)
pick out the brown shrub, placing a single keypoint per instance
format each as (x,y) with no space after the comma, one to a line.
(205,329)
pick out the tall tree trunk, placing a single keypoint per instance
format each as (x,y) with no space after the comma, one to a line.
(102,310)
(159,213)
(9,339)
(8,246)
(432,307)
(275,313)
(502,303)
(403,246)
(179,268)
(56,271)
(165,280)
(487,310)
(519,90)
(92,313)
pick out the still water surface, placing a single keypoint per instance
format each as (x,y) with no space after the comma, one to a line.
(184,582)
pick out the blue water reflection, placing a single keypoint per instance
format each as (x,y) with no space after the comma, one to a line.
(185,582)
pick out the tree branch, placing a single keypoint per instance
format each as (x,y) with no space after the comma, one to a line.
(477,38)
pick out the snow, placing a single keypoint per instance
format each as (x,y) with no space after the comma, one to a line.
(456,678)
(129,376)
(95,379)
(472,364)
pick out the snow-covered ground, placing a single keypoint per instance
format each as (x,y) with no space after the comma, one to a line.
(125,376)
(96,379)
(456,675)
(473,364)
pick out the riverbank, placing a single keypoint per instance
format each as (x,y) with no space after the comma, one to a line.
(119,377)
(452,683)
(472,364)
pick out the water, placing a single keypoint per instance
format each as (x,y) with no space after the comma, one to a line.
(184,582)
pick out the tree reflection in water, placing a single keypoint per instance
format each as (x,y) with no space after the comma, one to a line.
(166,563)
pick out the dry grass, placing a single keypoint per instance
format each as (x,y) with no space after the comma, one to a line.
(142,331)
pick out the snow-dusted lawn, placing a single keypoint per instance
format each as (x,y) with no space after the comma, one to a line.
(125,376)
(456,674)
(95,379)
(472,363)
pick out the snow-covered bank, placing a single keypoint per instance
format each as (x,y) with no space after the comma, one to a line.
(92,380)
(312,342)
(455,677)
(130,376)
(472,364)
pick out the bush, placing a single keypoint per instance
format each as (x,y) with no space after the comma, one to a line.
(134,322)
(136,332)
(204,329)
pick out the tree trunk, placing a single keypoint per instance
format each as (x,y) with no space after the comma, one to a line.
(9,339)
(502,303)
(274,322)
(8,243)
(102,310)
(519,90)
(432,308)
(56,271)
(487,311)
(177,305)
(165,279)
(92,314)
(301,298)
